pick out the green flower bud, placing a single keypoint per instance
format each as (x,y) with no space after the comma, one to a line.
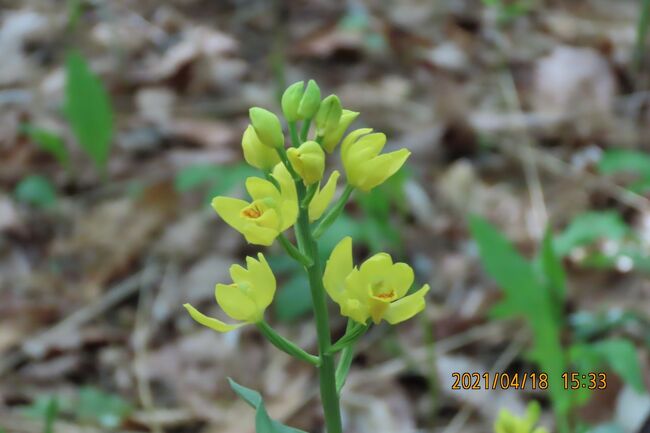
(310,101)
(267,127)
(291,101)
(332,137)
(328,116)
(257,154)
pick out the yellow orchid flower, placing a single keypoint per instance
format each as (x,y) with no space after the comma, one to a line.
(364,166)
(308,161)
(322,197)
(271,212)
(250,293)
(256,153)
(374,290)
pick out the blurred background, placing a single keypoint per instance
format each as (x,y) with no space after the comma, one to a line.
(119,120)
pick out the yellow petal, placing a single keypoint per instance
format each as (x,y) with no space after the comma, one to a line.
(262,279)
(407,307)
(229,209)
(323,197)
(210,322)
(380,168)
(400,277)
(260,189)
(257,235)
(338,266)
(288,207)
(237,303)
(350,139)
(355,310)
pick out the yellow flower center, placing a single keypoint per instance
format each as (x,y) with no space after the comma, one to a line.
(379,291)
(252,212)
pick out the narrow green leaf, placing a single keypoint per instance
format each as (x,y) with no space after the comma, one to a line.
(50,416)
(48,141)
(36,190)
(552,272)
(525,297)
(88,109)
(263,423)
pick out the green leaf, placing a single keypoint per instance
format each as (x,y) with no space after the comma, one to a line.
(293,300)
(525,297)
(106,410)
(552,272)
(36,190)
(263,423)
(622,160)
(48,141)
(589,227)
(88,109)
(621,356)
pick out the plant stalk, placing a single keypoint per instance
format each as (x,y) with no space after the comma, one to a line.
(327,369)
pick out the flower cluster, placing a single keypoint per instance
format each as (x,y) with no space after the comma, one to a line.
(292,185)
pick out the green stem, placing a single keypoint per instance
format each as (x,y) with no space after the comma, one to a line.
(353,332)
(294,252)
(333,212)
(293,133)
(311,191)
(326,373)
(285,345)
(305,130)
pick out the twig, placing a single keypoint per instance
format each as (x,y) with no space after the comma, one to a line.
(34,346)
(531,173)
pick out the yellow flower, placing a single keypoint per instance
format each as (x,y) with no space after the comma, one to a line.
(256,153)
(364,166)
(308,161)
(322,197)
(375,290)
(509,423)
(271,212)
(245,299)
(332,138)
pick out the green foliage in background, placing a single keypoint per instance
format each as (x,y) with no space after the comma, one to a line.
(627,161)
(532,298)
(36,190)
(216,179)
(508,11)
(88,109)
(536,291)
(90,406)
(49,142)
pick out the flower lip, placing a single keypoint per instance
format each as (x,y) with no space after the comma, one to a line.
(252,212)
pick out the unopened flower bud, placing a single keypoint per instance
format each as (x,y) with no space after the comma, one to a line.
(310,101)
(257,154)
(291,101)
(267,127)
(328,116)
(308,161)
